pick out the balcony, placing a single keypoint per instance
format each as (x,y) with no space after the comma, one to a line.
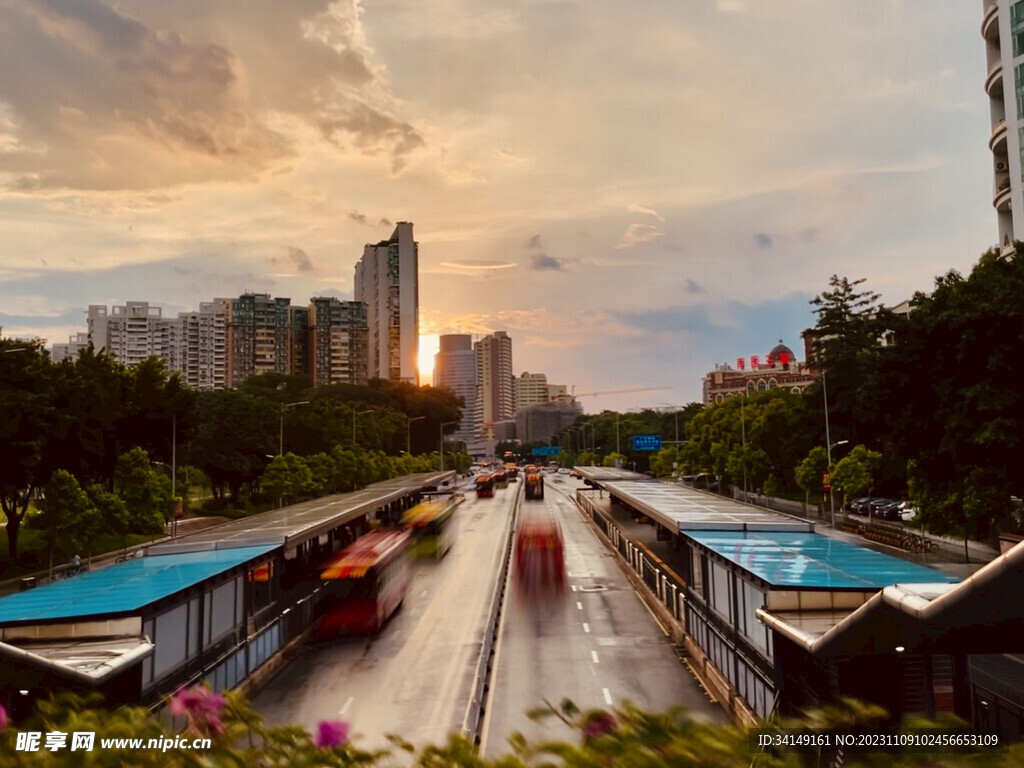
(994,81)
(1001,200)
(998,141)
(990,23)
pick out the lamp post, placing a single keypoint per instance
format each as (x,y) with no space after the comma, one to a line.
(831,499)
(284,406)
(408,432)
(440,447)
(354,414)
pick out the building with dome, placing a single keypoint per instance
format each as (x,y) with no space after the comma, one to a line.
(779,369)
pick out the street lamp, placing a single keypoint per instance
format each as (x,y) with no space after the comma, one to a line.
(408,432)
(440,447)
(831,499)
(358,413)
(280,443)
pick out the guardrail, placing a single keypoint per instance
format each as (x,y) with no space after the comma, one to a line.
(482,678)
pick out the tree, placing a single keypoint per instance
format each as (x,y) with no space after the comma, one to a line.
(809,472)
(287,476)
(68,514)
(145,493)
(613,459)
(113,514)
(856,473)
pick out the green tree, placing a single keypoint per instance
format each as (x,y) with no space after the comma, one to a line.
(613,457)
(288,476)
(809,472)
(855,474)
(112,511)
(663,462)
(71,520)
(145,493)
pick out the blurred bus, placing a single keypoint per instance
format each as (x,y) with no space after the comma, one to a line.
(430,523)
(539,558)
(366,583)
(484,486)
(500,479)
(534,482)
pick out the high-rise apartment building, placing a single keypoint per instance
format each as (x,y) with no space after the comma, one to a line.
(1002,27)
(495,380)
(299,335)
(70,350)
(338,336)
(531,389)
(200,351)
(259,336)
(387,282)
(455,367)
(132,332)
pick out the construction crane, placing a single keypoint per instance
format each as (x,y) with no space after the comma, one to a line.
(573,395)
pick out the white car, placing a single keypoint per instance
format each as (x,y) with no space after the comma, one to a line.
(907,512)
(563,471)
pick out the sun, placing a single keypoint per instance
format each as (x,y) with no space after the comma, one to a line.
(430,343)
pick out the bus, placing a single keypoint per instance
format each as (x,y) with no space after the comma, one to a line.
(534,482)
(484,486)
(365,583)
(539,559)
(500,479)
(430,523)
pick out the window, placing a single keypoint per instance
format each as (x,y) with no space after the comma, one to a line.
(1018,81)
(762,385)
(1017,28)
(721,591)
(697,581)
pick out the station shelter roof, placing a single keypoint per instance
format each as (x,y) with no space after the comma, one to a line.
(123,588)
(299,523)
(682,509)
(807,560)
(610,474)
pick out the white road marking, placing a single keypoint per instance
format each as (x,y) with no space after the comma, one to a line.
(348,704)
(586,627)
(579,605)
(424,593)
(573,587)
(593,655)
(607,696)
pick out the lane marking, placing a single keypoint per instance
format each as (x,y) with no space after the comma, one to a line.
(607,697)
(423,593)
(593,655)
(573,587)
(348,704)
(586,627)
(579,605)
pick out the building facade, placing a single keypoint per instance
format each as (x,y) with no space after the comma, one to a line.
(387,282)
(455,367)
(258,337)
(540,421)
(531,389)
(1002,27)
(70,351)
(495,380)
(779,370)
(132,332)
(338,339)
(201,346)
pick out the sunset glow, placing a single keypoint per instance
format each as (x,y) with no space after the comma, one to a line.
(429,346)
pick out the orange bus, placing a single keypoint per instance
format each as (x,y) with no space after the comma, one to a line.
(484,486)
(539,558)
(366,583)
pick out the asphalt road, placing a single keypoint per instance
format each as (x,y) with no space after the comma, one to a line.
(597,647)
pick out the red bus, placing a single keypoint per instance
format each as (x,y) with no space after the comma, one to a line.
(484,486)
(539,558)
(366,583)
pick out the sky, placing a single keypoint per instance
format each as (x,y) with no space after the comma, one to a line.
(633,191)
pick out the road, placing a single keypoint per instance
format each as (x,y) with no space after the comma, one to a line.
(597,647)
(415,677)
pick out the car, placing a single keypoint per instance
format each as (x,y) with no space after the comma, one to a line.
(852,506)
(890,511)
(860,506)
(907,511)
(876,506)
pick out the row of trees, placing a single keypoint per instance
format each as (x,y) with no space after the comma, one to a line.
(82,415)
(927,404)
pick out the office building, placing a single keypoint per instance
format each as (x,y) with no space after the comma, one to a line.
(1002,27)
(455,368)
(531,389)
(539,422)
(387,282)
(338,338)
(495,380)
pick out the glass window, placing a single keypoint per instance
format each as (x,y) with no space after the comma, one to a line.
(721,591)
(762,385)
(1018,83)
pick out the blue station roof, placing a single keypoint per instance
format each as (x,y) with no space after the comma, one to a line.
(122,588)
(812,560)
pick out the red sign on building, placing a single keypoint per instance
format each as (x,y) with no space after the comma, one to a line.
(741,363)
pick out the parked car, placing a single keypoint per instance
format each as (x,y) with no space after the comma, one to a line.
(853,506)
(876,506)
(907,511)
(860,506)
(890,511)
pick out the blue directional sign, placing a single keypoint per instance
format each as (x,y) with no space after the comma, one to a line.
(646,442)
(552,451)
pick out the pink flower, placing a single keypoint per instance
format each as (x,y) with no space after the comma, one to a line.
(598,724)
(200,707)
(331,733)
(3,718)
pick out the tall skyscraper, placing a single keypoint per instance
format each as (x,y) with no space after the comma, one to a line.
(455,367)
(1002,27)
(495,379)
(258,337)
(337,341)
(387,282)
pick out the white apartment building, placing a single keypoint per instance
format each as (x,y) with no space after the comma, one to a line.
(455,367)
(387,282)
(132,332)
(531,389)
(70,350)
(495,380)
(1002,27)
(201,346)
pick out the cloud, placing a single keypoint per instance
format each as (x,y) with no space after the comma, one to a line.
(541,261)
(763,240)
(692,287)
(358,217)
(386,223)
(478,264)
(639,233)
(534,242)
(730,6)
(299,258)
(637,208)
